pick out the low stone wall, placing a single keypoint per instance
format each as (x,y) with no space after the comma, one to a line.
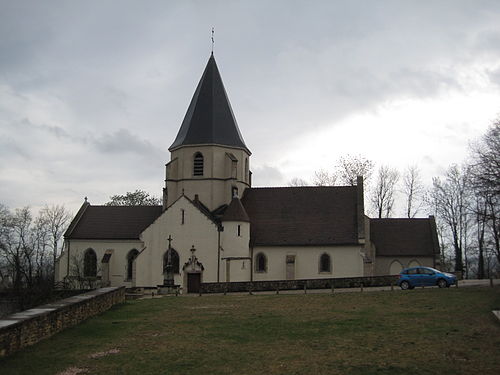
(260,286)
(30,326)
(11,302)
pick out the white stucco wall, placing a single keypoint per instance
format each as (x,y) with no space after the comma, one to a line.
(383,264)
(235,250)
(197,230)
(214,187)
(346,261)
(117,263)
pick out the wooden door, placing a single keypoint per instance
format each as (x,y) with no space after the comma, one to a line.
(193,282)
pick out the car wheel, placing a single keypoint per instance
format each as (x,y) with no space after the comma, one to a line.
(442,283)
(405,285)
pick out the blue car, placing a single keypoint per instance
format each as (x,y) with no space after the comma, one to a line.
(409,278)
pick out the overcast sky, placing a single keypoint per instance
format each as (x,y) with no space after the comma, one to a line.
(92,93)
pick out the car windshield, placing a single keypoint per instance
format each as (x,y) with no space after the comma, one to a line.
(433,269)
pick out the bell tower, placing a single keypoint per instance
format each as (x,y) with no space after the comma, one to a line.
(209,160)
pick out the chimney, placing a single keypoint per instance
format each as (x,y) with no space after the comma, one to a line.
(360,207)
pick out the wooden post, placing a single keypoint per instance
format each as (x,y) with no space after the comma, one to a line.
(305,288)
(392,286)
(456,285)
(277,290)
(491,281)
(361,287)
(333,288)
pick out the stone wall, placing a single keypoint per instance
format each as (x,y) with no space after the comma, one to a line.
(256,286)
(30,326)
(12,302)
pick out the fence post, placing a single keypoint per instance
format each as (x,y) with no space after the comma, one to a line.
(305,288)
(392,286)
(491,281)
(333,288)
(277,290)
(361,287)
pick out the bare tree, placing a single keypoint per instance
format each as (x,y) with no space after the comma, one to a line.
(296,181)
(77,277)
(136,198)
(485,167)
(352,166)
(485,177)
(413,190)
(450,198)
(323,178)
(384,190)
(56,219)
(480,213)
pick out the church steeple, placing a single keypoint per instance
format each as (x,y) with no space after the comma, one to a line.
(209,119)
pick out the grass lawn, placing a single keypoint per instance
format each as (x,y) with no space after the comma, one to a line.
(427,331)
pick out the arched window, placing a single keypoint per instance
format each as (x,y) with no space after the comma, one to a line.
(414,263)
(171,258)
(198,164)
(260,263)
(132,254)
(395,267)
(90,263)
(325,263)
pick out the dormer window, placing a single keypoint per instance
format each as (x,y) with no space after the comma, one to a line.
(198,164)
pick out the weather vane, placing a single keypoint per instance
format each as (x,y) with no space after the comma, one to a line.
(212,40)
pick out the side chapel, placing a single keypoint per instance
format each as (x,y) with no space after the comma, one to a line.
(213,226)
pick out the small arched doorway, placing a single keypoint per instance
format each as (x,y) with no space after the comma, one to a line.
(193,273)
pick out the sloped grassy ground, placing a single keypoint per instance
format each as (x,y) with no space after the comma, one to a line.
(428,331)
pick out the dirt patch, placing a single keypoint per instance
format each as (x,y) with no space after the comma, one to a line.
(73,371)
(104,354)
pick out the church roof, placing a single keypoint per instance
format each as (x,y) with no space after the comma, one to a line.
(235,211)
(112,222)
(209,118)
(302,215)
(404,237)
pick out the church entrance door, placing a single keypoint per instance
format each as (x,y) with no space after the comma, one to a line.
(193,282)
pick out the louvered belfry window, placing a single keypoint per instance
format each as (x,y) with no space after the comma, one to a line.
(198,164)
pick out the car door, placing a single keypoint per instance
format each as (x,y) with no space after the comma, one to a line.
(426,277)
(414,276)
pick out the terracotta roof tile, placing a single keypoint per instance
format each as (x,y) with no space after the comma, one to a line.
(114,222)
(235,211)
(404,237)
(302,215)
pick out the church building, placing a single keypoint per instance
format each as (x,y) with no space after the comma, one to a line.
(213,226)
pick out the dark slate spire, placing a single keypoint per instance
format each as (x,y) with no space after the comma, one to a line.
(209,118)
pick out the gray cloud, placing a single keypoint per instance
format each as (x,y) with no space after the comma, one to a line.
(93,93)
